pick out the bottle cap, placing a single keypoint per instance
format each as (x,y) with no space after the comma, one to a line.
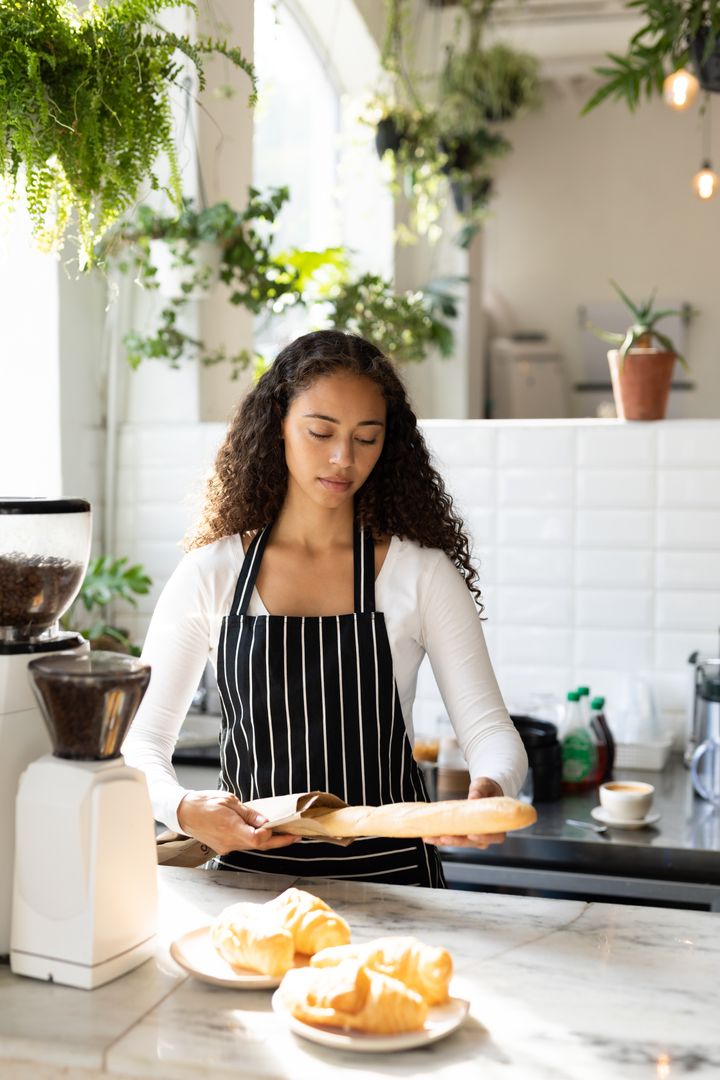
(583,691)
(572,695)
(597,703)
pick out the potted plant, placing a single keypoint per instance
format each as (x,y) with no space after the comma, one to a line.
(107,580)
(673,35)
(641,373)
(85,108)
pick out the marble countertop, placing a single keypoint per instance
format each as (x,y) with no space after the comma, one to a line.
(559,990)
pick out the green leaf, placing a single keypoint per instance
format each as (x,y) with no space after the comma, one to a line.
(626,300)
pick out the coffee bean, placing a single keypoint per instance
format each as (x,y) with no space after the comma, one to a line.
(35,590)
(88,717)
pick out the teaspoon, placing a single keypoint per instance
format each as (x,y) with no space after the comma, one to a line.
(586,825)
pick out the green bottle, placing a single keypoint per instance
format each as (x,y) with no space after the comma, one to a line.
(579,748)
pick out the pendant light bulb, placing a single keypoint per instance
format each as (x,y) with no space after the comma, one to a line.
(680,89)
(705,182)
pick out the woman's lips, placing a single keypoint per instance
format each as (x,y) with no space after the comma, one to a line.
(334,484)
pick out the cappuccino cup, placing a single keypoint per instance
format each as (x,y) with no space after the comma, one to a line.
(626,800)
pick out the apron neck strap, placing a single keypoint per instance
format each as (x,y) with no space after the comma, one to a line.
(249,571)
(363,571)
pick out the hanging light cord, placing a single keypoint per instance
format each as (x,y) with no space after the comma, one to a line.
(707,132)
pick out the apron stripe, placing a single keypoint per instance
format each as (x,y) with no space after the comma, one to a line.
(383,798)
(287,707)
(342,711)
(322,700)
(333,858)
(253,760)
(269,710)
(360,713)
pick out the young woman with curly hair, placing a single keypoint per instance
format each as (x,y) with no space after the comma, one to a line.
(327,562)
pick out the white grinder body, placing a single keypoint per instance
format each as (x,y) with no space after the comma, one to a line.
(85,883)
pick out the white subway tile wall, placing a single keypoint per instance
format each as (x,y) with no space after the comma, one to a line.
(598,544)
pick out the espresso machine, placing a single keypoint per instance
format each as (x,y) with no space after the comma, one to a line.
(85,893)
(703,749)
(704,709)
(44,551)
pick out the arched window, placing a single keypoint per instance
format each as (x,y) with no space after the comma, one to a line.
(316,63)
(29,363)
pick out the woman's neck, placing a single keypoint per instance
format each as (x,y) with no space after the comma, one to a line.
(303,523)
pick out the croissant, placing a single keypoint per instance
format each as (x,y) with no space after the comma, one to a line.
(423,968)
(349,995)
(246,938)
(313,924)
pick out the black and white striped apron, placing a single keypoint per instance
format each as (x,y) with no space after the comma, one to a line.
(310,704)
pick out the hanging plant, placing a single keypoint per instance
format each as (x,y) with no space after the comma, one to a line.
(489,85)
(85,108)
(407,140)
(405,325)
(458,140)
(238,243)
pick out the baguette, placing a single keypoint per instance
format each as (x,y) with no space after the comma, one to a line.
(461,817)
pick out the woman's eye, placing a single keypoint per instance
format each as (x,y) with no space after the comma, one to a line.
(317,435)
(367,442)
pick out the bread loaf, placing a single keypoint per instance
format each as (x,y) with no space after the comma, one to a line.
(460,817)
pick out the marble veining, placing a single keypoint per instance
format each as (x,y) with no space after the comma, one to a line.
(559,990)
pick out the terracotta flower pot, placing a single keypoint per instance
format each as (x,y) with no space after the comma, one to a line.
(642,388)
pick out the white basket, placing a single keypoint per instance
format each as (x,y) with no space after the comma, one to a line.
(651,755)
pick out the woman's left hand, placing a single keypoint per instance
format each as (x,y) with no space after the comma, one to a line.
(480,788)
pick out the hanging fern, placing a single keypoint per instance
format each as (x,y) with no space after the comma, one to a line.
(85,109)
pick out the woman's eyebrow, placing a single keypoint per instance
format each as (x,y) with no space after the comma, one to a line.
(332,420)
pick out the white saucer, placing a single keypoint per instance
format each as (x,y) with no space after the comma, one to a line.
(601,814)
(195,953)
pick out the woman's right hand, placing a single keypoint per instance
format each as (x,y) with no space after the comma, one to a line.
(221,821)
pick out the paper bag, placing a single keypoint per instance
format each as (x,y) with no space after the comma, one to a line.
(176,849)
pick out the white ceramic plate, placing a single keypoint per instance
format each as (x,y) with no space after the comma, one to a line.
(441,1021)
(601,814)
(195,952)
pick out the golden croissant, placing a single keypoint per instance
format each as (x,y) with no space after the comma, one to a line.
(349,995)
(423,968)
(246,938)
(313,924)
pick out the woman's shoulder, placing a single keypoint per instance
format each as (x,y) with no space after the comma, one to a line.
(219,556)
(411,561)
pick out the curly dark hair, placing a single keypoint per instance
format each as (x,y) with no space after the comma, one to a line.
(247,486)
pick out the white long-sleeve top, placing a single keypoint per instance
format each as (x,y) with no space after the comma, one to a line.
(428,609)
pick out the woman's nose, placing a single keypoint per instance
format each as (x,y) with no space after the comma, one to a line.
(341,453)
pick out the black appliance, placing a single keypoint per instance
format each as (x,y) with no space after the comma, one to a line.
(540,739)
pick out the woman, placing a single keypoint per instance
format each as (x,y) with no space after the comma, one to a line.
(327,562)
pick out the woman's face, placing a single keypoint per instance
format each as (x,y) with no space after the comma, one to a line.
(334,433)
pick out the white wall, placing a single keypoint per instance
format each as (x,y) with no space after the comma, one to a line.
(581,200)
(598,543)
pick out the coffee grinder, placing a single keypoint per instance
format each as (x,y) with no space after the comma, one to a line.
(85,893)
(44,550)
